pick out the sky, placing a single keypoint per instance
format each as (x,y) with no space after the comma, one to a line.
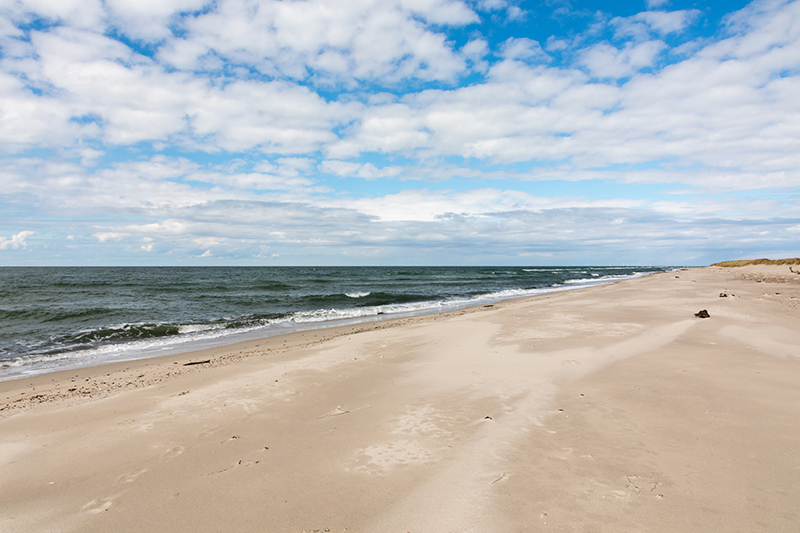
(398,132)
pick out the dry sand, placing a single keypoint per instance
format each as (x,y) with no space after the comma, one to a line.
(605,409)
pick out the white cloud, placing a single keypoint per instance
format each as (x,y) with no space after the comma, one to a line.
(734,120)
(491,5)
(292,165)
(76,13)
(347,169)
(511,117)
(606,61)
(106,236)
(149,19)
(423,205)
(518,113)
(653,4)
(660,22)
(16,241)
(666,22)
(370,40)
(158,167)
(516,13)
(252,181)
(523,49)
(129,99)
(475,52)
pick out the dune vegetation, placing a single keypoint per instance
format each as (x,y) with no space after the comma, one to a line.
(746,262)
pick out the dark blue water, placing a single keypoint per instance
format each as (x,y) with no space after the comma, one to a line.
(55,318)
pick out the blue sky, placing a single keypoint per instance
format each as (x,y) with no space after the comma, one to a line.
(552,132)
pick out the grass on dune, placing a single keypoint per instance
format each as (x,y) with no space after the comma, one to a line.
(745,262)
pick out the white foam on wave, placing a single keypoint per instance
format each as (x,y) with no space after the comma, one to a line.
(601,279)
(356,294)
(196,328)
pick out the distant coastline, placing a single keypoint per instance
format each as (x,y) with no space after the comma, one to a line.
(748,262)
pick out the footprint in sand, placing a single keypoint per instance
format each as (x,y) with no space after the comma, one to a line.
(101,504)
(210,432)
(130,478)
(172,452)
(336,411)
(97,506)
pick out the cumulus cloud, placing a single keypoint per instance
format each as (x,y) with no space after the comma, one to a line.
(523,49)
(606,61)
(725,111)
(372,40)
(108,92)
(75,13)
(16,241)
(347,169)
(475,52)
(661,23)
(149,19)
(105,236)
(103,90)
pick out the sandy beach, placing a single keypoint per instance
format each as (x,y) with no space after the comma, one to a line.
(612,408)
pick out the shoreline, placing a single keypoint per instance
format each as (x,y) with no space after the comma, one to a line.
(49,386)
(610,408)
(248,338)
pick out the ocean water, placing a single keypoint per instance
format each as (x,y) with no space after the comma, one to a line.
(54,318)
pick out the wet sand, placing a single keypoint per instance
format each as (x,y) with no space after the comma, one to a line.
(612,408)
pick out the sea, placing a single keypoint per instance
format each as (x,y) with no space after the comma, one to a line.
(58,318)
